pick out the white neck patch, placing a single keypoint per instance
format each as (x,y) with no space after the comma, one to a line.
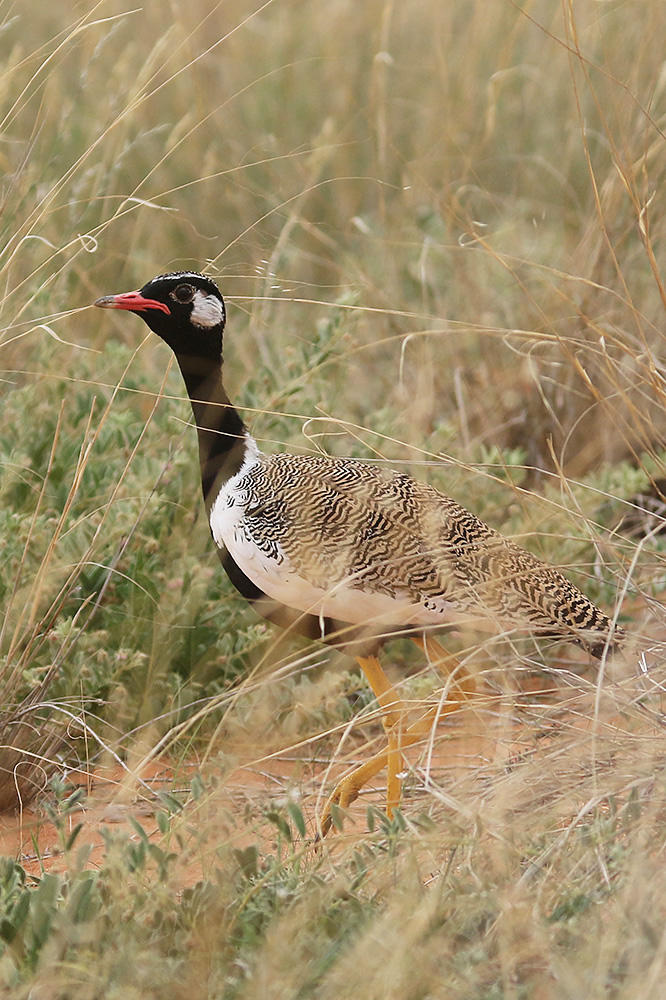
(207,310)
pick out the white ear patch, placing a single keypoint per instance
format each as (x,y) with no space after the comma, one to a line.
(207,310)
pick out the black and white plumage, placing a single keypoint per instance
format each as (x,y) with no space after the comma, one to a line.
(374,548)
(338,549)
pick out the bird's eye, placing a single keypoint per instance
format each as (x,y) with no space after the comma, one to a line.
(183,293)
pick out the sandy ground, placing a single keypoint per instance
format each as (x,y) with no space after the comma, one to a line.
(494,733)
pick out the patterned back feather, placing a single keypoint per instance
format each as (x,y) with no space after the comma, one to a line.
(342,523)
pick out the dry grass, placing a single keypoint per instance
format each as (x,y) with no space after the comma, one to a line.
(439,228)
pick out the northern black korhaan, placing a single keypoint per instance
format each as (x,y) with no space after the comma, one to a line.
(345,551)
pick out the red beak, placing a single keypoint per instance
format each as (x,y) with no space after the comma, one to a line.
(134,301)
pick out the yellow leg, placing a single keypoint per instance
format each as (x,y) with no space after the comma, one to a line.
(447,664)
(392,716)
(348,789)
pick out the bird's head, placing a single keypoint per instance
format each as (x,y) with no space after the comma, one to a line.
(184,308)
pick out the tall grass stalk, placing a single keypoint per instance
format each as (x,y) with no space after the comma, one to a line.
(439,231)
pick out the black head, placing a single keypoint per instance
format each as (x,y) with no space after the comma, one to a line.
(184,308)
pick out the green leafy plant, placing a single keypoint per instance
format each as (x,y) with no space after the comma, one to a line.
(438,230)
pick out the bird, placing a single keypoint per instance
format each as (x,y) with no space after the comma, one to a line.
(347,552)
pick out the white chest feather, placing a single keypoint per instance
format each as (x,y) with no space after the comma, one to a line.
(269,568)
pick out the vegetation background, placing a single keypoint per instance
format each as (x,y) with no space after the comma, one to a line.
(438,227)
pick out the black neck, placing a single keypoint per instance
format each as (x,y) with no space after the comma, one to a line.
(221,431)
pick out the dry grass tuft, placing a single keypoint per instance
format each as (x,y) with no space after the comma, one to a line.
(438,227)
